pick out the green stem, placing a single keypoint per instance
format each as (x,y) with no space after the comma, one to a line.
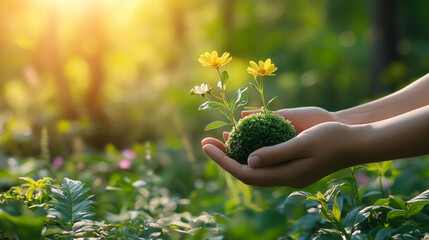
(261,92)
(262,96)
(380,184)
(355,191)
(223,98)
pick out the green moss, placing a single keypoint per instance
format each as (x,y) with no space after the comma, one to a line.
(256,131)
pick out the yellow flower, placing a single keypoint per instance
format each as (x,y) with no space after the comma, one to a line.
(213,59)
(263,69)
(201,90)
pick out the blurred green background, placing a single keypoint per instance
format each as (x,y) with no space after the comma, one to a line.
(94,73)
(98,90)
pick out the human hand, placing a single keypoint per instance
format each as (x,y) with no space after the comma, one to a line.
(312,155)
(302,118)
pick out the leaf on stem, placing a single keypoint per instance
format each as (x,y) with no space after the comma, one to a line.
(336,211)
(211,105)
(355,217)
(422,197)
(271,100)
(239,99)
(72,204)
(252,85)
(215,124)
(224,79)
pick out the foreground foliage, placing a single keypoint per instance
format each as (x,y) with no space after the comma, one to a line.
(151,198)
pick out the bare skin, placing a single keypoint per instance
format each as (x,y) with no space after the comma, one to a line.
(395,126)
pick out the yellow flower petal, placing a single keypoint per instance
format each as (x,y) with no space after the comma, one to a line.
(213,60)
(267,64)
(262,68)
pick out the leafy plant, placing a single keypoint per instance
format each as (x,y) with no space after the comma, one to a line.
(32,192)
(219,101)
(71,205)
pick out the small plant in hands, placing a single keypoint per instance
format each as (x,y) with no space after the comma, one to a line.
(251,132)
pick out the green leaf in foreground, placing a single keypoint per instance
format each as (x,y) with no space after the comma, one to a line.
(72,205)
(19,222)
(215,125)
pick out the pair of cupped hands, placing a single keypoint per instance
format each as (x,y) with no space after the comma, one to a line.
(320,148)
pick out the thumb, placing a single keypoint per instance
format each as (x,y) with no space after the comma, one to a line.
(283,152)
(249,112)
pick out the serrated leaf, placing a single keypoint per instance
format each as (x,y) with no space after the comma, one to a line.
(211,105)
(71,204)
(215,125)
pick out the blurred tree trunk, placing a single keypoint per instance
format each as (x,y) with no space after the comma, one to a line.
(47,59)
(384,41)
(93,102)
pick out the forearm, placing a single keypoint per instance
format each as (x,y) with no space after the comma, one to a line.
(406,135)
(409,98)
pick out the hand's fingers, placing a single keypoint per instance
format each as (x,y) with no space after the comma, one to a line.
(272,155)
(248,112)
(225,136)
(286,174)
(219,156)
(215,142)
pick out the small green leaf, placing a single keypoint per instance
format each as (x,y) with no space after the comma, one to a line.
(321,197)
(299,193)
(224,79)
(355,217)
(211,105)
(331,234)
(252,108)
(416,208)
(386,166)
(272,99)
(254,87)
(325,215)
(314,198)
(215,124)
(422,197)
(239,99)
(373,167)
(395,213)
(331,192)
(336,211)
(397,203)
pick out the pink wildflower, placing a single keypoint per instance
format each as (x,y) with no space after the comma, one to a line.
(124,164)
(58,162)
(129,154)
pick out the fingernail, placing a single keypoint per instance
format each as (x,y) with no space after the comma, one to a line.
(254,161)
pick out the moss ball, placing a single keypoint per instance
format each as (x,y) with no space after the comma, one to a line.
(256,131)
